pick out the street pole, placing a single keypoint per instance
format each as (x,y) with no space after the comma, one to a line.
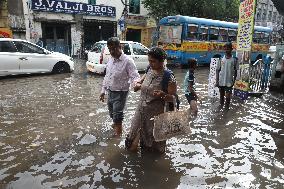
(124,14)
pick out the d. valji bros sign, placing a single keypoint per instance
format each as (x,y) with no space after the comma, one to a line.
(72,8)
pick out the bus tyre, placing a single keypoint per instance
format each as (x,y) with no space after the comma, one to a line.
(61,67)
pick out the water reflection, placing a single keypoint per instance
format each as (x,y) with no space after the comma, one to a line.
(55,134)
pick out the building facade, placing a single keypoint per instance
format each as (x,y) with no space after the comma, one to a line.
(140,26)
(267,15)
(12,23)
(4,28)
(16,18)
(71,26)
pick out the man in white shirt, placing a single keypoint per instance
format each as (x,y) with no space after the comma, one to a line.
(226,75)
(121,72)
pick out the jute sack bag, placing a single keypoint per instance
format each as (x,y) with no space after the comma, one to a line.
(171,124)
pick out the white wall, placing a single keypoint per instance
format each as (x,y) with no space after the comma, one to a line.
(143,10)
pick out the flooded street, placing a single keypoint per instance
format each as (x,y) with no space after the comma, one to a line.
(54,133)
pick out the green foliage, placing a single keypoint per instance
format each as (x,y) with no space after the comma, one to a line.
(215,9)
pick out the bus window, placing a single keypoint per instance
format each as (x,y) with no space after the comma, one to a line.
(257,37)
(214,33)
(223,35)
(232,35)
(203,33)
(192,33)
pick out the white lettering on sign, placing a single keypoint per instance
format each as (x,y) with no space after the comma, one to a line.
(59,5)
(103,9)
(66,7)
(76,7)
(109,10)
(90,8)
(50,4)
(39,3)
(97,9)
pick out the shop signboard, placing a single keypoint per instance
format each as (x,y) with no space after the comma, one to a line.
(244,44)
(134,20)
(72,8)
(246,25)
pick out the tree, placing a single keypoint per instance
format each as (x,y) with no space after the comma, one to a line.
(215,9)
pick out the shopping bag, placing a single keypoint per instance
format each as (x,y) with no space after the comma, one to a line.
(213,91)
(171,124)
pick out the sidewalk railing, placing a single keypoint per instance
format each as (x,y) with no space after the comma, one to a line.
(260,74)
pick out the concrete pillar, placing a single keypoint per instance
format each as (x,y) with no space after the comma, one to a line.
(77,35)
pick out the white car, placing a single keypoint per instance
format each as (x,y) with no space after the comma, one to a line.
(99,56)
(22,57)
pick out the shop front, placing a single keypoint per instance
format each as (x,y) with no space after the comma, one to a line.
(98,30)
(140,29)
(68,27)
(57,37)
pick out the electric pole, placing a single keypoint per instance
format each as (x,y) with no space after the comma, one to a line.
(123,25)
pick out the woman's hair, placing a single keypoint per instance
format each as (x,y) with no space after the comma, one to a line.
(192,63)
(158,53)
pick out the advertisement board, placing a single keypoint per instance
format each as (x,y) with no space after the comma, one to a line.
(170,34)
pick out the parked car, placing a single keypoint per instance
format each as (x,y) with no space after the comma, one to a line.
(99,56)
(22,57)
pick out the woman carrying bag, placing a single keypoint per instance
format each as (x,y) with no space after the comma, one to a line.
(152,103)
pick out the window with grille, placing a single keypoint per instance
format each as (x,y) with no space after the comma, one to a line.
(134,6)
(92,2)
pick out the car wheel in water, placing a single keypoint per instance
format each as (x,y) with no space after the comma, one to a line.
(61,67)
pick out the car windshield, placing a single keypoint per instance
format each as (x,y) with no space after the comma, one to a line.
(98,47)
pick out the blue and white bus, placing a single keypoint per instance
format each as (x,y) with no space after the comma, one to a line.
(185,37)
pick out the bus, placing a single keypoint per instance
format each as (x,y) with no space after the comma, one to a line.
(185,37)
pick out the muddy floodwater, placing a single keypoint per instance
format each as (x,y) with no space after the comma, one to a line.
(54,133)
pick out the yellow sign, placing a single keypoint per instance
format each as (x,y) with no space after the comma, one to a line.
(246,25)
(6,33)
(192,46)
